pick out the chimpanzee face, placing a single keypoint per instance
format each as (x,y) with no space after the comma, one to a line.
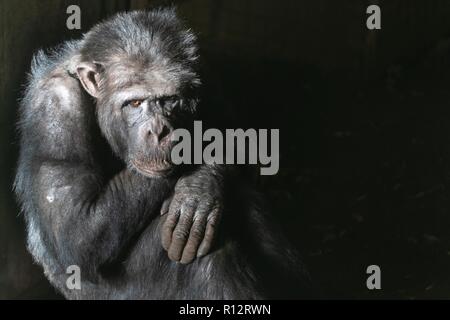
(150,122)
(139,106)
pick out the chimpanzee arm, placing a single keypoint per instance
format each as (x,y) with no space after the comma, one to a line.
(82,219)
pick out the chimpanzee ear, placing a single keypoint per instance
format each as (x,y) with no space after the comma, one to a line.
(89,75)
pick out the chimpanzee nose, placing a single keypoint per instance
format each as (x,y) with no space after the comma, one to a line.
(159,129)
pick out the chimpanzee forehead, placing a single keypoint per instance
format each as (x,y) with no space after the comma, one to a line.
(159,81)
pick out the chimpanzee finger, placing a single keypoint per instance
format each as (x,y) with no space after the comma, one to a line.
(181,233)
(169,224)
(166,205)
(196,235)
(210,232)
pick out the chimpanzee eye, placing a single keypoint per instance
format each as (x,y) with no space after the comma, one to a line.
(136,103)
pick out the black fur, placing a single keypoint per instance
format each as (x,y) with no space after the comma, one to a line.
(78,212)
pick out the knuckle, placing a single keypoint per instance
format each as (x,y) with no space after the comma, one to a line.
(188,208)
(197,234)
(173,213)
(175,203)
(180,235)
(170,221)
(207,204)
(200,215)
(213,218)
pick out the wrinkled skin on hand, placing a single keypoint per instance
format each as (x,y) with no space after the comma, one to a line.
(192,216)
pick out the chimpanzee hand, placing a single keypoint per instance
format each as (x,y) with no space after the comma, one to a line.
(193,214)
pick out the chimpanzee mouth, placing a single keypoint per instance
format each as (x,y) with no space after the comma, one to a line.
(152,169)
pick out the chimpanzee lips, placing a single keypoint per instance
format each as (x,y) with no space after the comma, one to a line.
(153,168)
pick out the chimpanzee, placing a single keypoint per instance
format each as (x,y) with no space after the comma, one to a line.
(144,229)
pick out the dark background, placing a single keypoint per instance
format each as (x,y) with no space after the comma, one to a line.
(364,119)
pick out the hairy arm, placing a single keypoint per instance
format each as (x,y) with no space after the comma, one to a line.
(83,219)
